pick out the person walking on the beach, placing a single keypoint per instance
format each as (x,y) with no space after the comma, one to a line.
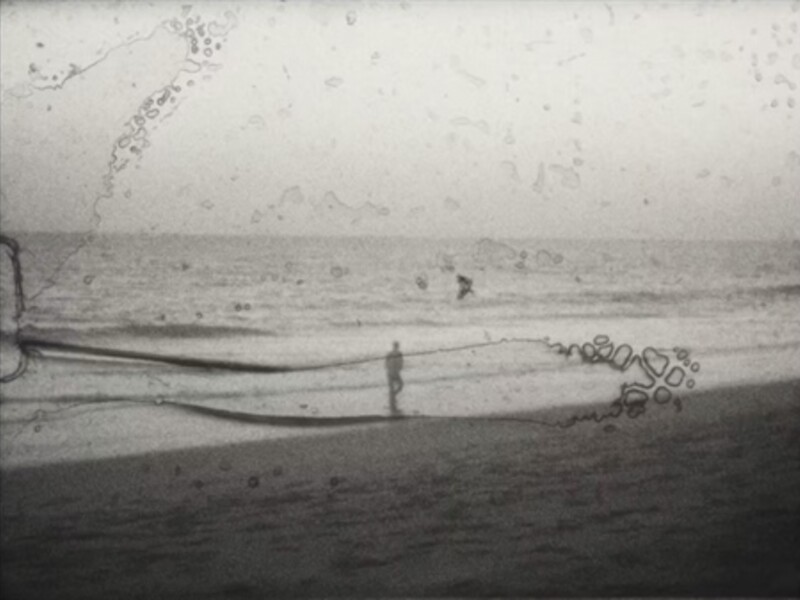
(394,364)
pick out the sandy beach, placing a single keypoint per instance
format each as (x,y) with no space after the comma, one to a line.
(698,502)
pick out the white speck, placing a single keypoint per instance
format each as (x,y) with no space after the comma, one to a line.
(511,169)
(256,121)
(538,185)
(451,204)
(569,176)
(481,125)
(779,79)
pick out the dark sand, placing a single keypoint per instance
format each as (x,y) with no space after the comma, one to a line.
(702,502)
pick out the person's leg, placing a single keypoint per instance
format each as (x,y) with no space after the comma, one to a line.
(392,397)
(396,385)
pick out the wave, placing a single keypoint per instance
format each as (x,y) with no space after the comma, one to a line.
(142,330)
(673,296)
(282,420)
(778,290)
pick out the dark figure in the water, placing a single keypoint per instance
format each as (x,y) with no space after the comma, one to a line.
(394,364)
(464,286)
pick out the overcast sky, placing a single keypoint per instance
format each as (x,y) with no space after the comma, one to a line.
(501,119)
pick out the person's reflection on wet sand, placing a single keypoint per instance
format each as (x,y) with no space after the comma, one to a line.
(394,364)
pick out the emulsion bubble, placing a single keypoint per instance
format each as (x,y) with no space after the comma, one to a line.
(634,397)
(695,367)
(208,52)
(88,279)
(690,383)
(682,354)
(675,377)
(601,340)
(622,355)
(662,395)
(604,352)
(657,362)
(635,402)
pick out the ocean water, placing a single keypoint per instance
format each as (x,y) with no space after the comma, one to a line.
(200,288)
(723,312)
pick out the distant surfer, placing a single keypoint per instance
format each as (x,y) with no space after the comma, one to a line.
(394,364)
(464,286)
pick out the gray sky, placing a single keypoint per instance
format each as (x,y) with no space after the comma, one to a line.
(502,119)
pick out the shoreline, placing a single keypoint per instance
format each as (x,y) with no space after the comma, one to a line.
(129,415)
(532,419)
(697,502)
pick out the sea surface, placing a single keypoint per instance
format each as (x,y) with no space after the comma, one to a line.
(722,312)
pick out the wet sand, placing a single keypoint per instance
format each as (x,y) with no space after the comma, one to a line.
(701,502)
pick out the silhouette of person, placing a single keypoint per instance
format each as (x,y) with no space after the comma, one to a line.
(394,364)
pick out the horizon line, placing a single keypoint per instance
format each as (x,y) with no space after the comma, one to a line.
(477,237)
